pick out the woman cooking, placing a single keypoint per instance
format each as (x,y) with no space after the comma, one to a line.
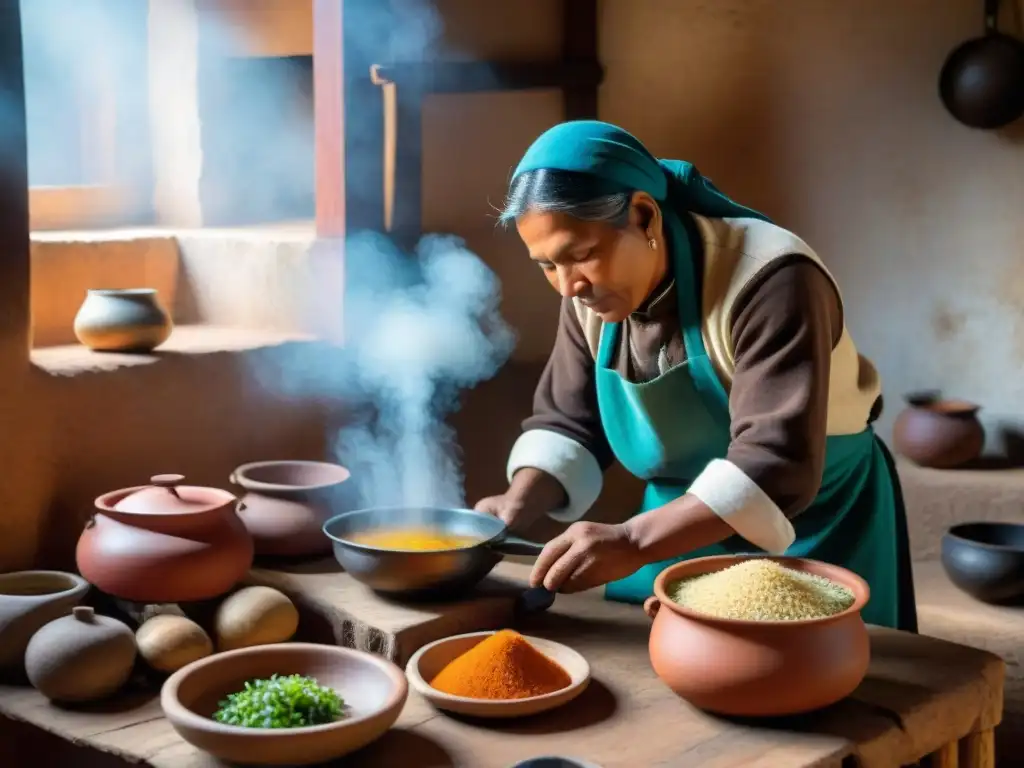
(705,349)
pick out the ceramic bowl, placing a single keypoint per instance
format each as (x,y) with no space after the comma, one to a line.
(986,560)
(429,660)
(28,601)
(373,688)
(758,668)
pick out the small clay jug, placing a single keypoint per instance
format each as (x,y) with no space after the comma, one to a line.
(29,600)
(129,320)
(937,433)
(82,657)
(767,668)
(287,502)
(165,543)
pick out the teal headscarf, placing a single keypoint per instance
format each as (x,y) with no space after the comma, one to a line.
(616,156)
(609,153)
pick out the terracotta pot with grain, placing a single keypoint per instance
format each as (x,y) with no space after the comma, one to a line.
(937,433)
(286,504)
(165,543)
(757,668)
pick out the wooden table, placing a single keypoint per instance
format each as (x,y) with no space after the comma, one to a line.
(924,699)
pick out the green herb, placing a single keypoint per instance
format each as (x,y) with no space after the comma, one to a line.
(292,701)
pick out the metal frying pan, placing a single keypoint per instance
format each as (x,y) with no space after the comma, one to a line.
(434,574)
(982,81)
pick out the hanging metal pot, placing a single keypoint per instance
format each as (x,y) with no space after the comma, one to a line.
(982,81)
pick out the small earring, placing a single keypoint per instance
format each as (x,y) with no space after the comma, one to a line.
(652,244)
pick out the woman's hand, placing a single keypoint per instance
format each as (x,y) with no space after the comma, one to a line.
(532,494)
(587,555)
(504,507)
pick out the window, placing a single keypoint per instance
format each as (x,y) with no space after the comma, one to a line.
(87,112)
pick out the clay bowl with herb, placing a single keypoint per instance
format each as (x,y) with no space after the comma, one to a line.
(497,674)
(284,704)
(757,636)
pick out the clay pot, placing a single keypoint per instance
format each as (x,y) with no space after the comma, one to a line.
(287,502)
(80,658)
(937,433)
(130,320)
(165,543)
(757,668)
(29,600)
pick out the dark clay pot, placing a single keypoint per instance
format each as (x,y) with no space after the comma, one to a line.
(768,668)
(940,434)
(986,560)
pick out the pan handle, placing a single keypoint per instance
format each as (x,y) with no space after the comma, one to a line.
(513,545)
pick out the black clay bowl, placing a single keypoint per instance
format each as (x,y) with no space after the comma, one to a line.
(986,560)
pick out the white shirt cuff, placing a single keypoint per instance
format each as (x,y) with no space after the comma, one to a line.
(567,461)
(738,500)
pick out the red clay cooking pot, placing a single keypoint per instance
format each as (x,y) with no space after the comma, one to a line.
(937,433)
(165,543)
(757,668)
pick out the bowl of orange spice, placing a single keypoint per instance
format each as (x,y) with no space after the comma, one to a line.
(497,674)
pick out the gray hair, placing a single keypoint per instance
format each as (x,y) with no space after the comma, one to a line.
(580,195)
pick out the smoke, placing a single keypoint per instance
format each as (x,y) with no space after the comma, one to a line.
(419,328)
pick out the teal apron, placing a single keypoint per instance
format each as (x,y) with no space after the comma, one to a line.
(667,430)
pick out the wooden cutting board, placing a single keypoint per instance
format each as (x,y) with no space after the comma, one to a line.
(335,608)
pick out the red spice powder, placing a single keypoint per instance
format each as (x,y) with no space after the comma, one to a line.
(502,666)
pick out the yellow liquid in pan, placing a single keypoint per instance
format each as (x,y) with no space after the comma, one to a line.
(413,539)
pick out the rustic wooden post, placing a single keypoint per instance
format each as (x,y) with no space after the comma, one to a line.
(579,46)
(349,117)
(577,72)
(15,320)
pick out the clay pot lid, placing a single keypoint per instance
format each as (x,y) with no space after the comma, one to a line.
(167,496)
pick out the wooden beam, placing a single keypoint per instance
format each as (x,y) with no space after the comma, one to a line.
(15,319)
(349,116)
(404,85)
(329,112)
(580,48)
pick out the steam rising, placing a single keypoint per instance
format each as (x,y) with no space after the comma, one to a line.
(419,330)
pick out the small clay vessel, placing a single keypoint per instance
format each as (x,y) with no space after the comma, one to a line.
(286,504)
(129,320)
(165,543)
(937,433)
(80,658)
(28,601)
(768,668)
